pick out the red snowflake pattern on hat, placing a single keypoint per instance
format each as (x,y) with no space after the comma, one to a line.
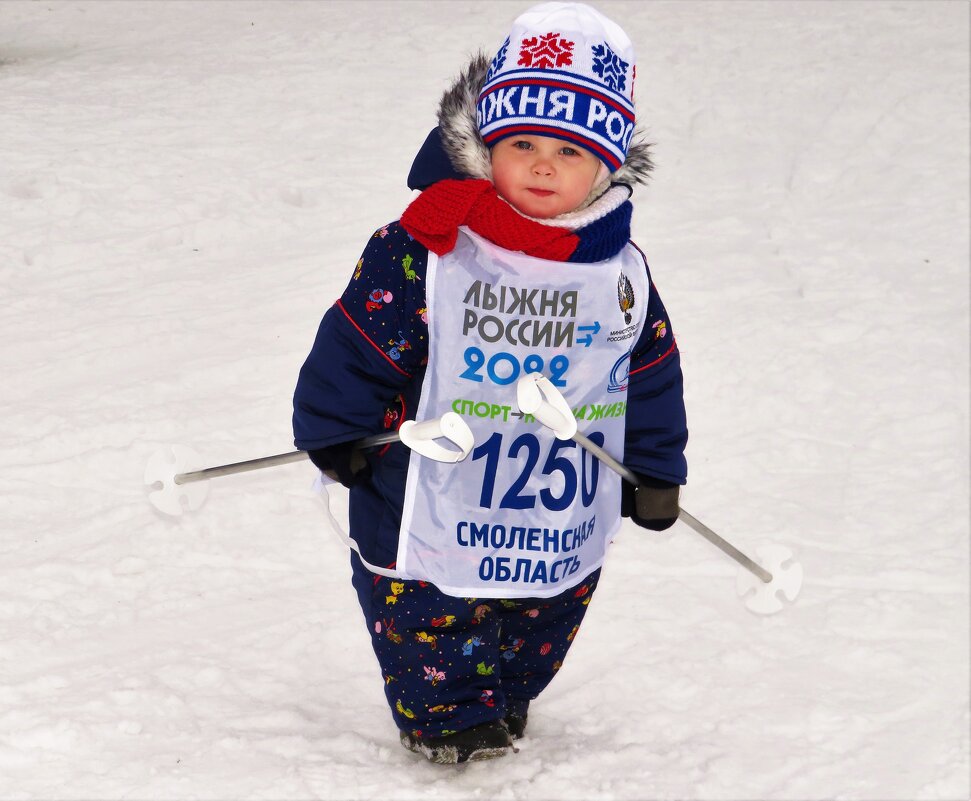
(545,52)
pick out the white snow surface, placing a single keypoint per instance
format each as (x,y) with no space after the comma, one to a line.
(185,187)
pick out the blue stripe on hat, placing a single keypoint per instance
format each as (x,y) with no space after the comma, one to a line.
(554,77)
(570,107)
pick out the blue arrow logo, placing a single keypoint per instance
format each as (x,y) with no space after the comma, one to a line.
(587,341)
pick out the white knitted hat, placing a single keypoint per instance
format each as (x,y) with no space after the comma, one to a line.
(565,71)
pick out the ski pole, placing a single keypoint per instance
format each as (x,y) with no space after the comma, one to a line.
(272,461)
(171,486)
(538,397)
(722,544)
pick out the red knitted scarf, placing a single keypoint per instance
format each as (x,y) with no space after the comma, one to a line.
(434,217)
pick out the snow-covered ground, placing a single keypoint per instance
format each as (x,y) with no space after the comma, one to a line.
(185,188)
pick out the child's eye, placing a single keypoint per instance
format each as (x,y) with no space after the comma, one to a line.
(569,151)
(522,145)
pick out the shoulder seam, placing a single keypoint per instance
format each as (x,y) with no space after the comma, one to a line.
(371,341)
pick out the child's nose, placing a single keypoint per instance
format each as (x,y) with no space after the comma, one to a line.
(542,166)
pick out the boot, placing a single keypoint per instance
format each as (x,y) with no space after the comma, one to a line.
(516,724)
(515,719)
(485,741)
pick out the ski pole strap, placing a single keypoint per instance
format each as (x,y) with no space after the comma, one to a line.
(321,487)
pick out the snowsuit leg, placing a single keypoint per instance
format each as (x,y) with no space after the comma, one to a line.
(446,661)
(536,634)
(439,661)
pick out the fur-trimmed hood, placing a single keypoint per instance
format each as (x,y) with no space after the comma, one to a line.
(468,152)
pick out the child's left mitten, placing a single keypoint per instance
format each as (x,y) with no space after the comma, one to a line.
(653,505)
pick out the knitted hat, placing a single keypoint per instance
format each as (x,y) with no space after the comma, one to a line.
(565,71)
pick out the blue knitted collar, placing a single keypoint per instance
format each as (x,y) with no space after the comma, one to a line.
(605,237)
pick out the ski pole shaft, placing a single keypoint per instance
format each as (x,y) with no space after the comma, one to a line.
(625,473)
(725,546)
(272,461)
(693,522)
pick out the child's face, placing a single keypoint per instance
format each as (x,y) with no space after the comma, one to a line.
(542,176)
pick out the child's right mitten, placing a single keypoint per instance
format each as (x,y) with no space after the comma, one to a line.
(341,462)
(653,505)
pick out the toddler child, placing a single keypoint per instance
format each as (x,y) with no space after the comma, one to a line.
(515,258)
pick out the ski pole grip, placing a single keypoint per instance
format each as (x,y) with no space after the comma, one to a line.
(538,397)
(422,437)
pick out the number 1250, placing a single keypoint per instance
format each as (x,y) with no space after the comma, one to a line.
(556,462)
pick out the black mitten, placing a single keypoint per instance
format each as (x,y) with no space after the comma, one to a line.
(652,505)
(341,462)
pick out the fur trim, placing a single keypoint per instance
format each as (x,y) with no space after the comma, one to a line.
(638,164)
(468,152)
(457,120)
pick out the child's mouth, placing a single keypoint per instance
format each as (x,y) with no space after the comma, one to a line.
(542,192)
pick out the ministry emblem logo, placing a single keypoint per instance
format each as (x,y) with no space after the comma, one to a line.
(625,297)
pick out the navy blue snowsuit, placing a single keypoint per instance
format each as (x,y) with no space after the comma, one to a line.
(450,663)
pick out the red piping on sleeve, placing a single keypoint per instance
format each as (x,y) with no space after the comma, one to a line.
(672,349)
(387,358)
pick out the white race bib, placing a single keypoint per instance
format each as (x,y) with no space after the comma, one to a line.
(526,515)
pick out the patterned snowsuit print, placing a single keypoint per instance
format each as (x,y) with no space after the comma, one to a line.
(453,663)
